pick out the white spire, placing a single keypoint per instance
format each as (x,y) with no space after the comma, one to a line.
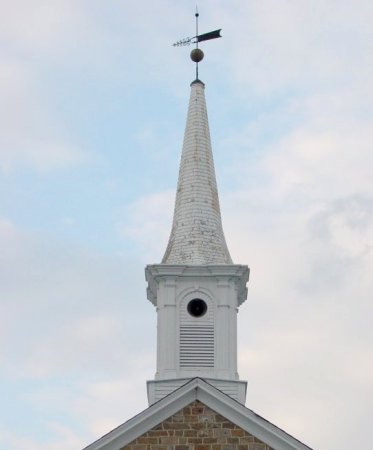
(196,289)
(197,235)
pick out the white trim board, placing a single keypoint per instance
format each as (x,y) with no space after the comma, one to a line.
(198,389)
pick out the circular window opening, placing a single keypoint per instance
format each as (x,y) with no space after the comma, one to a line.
(197,307)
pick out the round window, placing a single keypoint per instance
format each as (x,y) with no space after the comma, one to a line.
(197,307)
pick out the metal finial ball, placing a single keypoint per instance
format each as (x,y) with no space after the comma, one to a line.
(196,55)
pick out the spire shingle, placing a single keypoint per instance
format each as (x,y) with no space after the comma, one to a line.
(197,235)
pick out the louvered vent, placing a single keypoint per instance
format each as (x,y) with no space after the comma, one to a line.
(197,346)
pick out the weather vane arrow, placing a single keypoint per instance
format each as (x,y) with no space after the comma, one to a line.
(195,39)
(197,54)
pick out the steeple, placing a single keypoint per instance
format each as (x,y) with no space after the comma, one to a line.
(197,289)
(197,234)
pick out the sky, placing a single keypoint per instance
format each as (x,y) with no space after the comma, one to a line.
(93,101)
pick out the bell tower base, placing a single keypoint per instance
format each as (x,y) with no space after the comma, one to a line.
(157,389)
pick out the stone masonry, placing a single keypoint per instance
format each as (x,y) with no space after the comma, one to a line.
(196,427)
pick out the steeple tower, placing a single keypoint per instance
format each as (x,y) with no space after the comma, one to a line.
(197,289)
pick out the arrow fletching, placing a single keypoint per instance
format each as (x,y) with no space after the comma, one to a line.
(207,36)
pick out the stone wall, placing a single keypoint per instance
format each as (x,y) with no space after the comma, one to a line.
(196,427)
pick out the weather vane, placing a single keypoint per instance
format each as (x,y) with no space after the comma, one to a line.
(197,54)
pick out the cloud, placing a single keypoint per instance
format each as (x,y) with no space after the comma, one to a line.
(29,137)
(296,45)
(91,406)
(52,52)
(65,438)
(294,162)
(81,300)
(148,223)
(69,332)
(308,303)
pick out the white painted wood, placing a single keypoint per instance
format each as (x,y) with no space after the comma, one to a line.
(158,389)
(197,234)
(171,288)
(196,264)
(198,389)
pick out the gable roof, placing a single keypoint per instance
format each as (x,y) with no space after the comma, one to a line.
(198,389)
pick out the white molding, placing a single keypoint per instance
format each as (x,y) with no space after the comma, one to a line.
(157,389)
(198,389)
(248,420)
(155,272)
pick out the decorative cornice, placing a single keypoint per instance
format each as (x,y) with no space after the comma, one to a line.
(155,272)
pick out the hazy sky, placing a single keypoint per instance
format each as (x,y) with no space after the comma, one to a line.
(93,100)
